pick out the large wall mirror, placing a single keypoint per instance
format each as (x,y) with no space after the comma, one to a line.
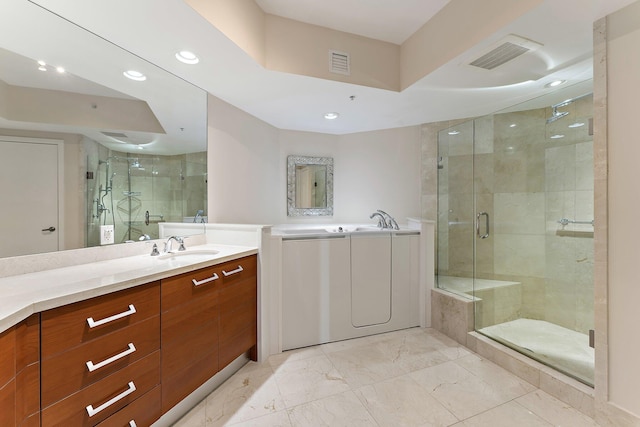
(309,186)
(127,153)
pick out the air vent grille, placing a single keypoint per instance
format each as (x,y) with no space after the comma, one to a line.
(115,134)
(339,63)
(498,56)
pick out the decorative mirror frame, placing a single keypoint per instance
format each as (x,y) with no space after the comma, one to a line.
(292,162)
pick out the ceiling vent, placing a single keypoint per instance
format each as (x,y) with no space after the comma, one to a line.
(504,51)
(339,63)
(115,134)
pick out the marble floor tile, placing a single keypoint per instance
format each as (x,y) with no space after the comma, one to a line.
(196,417)
(252,392)
(305,380)
(276,419)
(554,411)
(508,415)
(461,392)
(415,377)
(507,385)
(368,364)
(402,402)
(340,410)
(294,355)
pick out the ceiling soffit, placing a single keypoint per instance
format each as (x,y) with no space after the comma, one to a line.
(289,46)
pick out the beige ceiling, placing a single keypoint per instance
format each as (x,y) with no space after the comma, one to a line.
(436,38)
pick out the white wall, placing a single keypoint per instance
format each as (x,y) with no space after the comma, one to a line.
(248,169)
(623,68)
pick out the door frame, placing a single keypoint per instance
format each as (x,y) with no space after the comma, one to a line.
(61,200)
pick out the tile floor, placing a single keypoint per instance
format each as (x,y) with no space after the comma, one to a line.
(414,377)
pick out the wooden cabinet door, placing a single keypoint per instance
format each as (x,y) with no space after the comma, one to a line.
(238,309)
(20,373)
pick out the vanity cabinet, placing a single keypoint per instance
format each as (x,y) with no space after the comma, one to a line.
(125,358)
(20,374)
(99,355)
(209,317)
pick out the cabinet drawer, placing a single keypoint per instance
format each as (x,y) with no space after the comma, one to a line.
(7,355)
(238,270)
(66,327)
(105,397)
(8,403)
(181,289)
(68,372)
(143,411)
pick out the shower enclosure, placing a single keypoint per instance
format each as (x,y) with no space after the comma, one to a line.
(136,192)
(515,229)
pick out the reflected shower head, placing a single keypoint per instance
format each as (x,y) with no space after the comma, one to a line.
(136,164)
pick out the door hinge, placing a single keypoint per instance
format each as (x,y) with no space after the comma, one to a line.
(592,338)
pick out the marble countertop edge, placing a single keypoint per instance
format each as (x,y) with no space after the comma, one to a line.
(30,293)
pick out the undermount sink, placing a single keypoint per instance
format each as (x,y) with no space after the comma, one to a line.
(190,256)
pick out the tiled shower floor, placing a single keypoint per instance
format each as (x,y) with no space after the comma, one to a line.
(414,377)
(551,344)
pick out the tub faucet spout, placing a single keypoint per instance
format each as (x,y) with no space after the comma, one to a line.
(382,223)
(390,221)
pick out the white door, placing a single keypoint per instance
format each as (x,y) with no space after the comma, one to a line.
(29,195)
(370,279)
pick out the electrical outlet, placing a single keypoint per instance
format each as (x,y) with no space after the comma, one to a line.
(106,234)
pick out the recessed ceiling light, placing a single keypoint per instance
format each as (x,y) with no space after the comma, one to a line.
(453,132)
(187,57)
(512,125)
(60,70)
(135,75)
(331,116)
(576,125)
(555,83)
(556,136)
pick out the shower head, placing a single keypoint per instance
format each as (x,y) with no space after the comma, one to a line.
(555,115)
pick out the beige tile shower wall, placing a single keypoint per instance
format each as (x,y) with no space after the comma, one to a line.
(527,182)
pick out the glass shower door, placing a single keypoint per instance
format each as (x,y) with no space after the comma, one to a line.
(533,175)
(515,205)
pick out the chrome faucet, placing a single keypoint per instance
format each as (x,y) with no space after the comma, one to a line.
(199,215)
(382,223)
(167,244)
(390,221)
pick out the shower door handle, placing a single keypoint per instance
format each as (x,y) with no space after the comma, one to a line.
(486,222)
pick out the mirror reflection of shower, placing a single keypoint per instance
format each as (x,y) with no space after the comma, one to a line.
(102,211)
(123,187)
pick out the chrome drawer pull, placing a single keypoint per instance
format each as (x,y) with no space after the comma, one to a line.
(237,270)
(132,423)
(202,282)
(93,323)
(131,388)
(91,367)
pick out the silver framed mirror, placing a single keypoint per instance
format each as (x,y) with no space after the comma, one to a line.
(309,186)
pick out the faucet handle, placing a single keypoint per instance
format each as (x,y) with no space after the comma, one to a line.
(154,250)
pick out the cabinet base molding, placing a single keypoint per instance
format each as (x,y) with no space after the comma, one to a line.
(186,404)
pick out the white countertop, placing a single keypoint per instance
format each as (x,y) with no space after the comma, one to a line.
(25,294)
